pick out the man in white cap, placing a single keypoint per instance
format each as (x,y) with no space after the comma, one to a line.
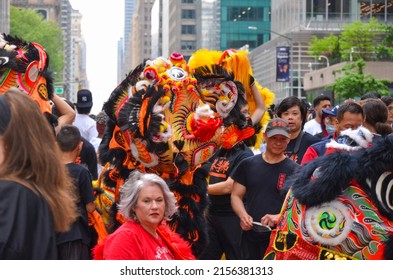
(259,180)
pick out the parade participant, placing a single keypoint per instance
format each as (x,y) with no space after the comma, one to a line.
(375,117)
(328,123)
(293,110)
(88,155)
(74,244)
(320,102)
(25,65)
(388,100)
(339,205)
(169,118)
(223,225)
(349,116)
(37,194)
(63,111)
(145,202)
(86,125)
(259,181)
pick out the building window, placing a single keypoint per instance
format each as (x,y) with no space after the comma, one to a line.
(188,29)
(375,9)
(244,13)
(188,14)
(188,45)
(187,1)
(43,13)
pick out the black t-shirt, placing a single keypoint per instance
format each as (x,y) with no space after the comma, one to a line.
(88,158)
(84,191)
(306,141)
(26,224)
(223,164)
(264,184)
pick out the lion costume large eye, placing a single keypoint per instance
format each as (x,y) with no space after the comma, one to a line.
(177,73)
(228,95)
(329,223)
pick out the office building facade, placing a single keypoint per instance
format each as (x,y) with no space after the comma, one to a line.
(5,16)
(244,23)
(293,22)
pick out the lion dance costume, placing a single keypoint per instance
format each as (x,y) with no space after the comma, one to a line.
(25,65)
(339,206)
(168,117)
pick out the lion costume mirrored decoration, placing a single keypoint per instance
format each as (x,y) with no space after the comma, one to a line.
(339,206)
(164,120)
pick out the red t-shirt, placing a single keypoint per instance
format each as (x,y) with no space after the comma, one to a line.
(132,242)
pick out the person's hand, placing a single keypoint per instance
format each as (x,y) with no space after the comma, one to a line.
(246,222)
(270,220)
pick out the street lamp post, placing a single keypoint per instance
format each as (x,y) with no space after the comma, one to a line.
(351,52)
(324,57)
(290,39)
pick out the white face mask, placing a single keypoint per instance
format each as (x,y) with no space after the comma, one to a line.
(330,129)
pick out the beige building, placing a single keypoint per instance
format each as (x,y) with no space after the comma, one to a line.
(317,80)
(138,47)
(49,9)
(178,28)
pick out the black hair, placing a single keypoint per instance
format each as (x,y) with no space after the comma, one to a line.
(387,100)
(83,111)
(320,98)
(351,107)
(56,112)
(376,113)
(290,102)
(69,137)
(373,95)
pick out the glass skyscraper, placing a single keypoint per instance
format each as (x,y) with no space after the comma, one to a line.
(244,23)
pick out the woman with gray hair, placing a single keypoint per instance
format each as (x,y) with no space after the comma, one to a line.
(145,203)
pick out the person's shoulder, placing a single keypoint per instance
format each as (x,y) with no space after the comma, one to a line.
(321,142)
(9,186)
(18,193)
(87,144)
(310,123)
(79,172)
(289,163)
(309,138)
(251,158)
(129,228)
(76,167)
(8,183)
(247,150)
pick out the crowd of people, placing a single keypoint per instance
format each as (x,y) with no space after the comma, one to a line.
(48,170)
(245,195)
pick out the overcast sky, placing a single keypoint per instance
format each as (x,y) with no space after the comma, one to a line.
(102,27)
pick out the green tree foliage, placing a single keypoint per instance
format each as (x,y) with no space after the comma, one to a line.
(385,50)
(328,46)
(362,39)
(324,46)
(367,41)
(30,26)
(355,83)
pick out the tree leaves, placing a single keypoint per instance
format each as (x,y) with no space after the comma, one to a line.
(30,26)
